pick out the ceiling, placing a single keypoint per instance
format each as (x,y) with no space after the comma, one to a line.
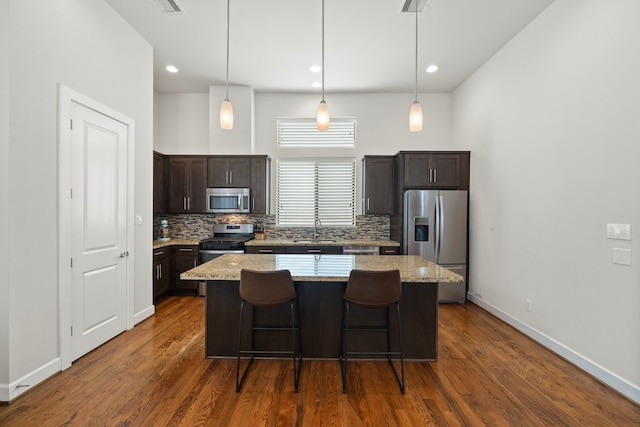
(369,44)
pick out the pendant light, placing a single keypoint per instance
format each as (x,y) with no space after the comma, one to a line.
(226,109)
(322,117)
(415,114)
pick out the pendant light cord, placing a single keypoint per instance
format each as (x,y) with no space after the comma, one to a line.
(322,50)
(416,100)
(227,86)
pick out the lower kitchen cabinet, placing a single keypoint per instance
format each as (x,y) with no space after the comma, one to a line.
(266,249)
(161,271)
(389,250)
(335,250)
(185,257)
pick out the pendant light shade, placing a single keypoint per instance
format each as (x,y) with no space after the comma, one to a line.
(415,114)
(415,117)
(226,109)
(322,117)
(226,115)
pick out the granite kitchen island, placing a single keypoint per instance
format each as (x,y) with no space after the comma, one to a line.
(320,281)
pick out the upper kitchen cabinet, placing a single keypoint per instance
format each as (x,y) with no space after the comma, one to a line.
(260,185)
(229,172)
(187,184)
(439,169)
(378,188)
(159,172)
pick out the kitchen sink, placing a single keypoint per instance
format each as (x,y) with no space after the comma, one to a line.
(314,241)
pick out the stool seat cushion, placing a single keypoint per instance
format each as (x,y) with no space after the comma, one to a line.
(266,288)
(373,289)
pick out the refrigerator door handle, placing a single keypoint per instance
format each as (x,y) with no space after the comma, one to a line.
(441,224)
(437,229)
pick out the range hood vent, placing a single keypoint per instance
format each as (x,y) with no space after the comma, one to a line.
(409,6)
(167,5)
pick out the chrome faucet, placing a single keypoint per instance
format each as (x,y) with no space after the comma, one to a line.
(315,228)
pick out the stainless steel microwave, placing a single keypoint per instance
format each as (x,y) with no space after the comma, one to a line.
(228,200)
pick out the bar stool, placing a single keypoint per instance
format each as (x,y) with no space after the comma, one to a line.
(372,290)
(269,289)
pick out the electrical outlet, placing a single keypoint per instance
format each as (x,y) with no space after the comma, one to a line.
(621,256)
(528,304)
(619,231)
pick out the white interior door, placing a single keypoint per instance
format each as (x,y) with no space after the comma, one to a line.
(98,211)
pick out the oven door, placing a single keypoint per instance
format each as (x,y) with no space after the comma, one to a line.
(209,254)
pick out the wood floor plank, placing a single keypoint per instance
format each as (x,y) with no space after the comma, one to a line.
(487,374)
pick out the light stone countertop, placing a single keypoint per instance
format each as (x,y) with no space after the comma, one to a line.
(320,242)
(173,242)
(322,268)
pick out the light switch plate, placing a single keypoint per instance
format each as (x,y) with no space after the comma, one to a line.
(619,231)
(138,220)
(621,256)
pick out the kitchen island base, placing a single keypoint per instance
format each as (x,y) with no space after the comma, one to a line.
(320,321)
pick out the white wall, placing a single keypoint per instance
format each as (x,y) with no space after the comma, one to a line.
(87,47)
(4,195)
(181,123)
(553,127)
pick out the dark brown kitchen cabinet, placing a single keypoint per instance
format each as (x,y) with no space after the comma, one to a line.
(161,271)
(187,184)
(159,172)
(389,250)
(185,257)
(266,249)
(435,169)
(378,185)
(297,249)
(333,250)
(260,185)
(229,172)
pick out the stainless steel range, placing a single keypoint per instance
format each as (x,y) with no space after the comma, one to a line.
(226,239)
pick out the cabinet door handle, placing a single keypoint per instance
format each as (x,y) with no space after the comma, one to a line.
(253,203)
(188,203)
(184,203)
(368,204)
(435,175)
(226,177)
(159,271)
(158,253)
(230,177)
(265,251)
(314,251)
(185,250)
(195,263)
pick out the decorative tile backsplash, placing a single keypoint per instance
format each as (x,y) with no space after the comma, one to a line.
(195,226)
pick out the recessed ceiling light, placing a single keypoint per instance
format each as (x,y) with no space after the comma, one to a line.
(316,84)
(315,68)
(432,68)
(171,69)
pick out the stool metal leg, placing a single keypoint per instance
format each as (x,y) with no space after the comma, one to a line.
(343,344)
(239,379)
(296,369)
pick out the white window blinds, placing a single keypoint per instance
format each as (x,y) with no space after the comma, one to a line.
(303,132)
(316,189)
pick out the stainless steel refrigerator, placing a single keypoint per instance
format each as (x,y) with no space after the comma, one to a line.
(435,228)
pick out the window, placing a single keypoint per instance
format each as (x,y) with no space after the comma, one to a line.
(316,189)
(303,132)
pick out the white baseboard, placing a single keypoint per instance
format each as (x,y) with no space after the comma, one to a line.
(621,385)
(144,314)
(8,392)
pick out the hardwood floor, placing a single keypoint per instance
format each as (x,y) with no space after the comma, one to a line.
(156,375)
